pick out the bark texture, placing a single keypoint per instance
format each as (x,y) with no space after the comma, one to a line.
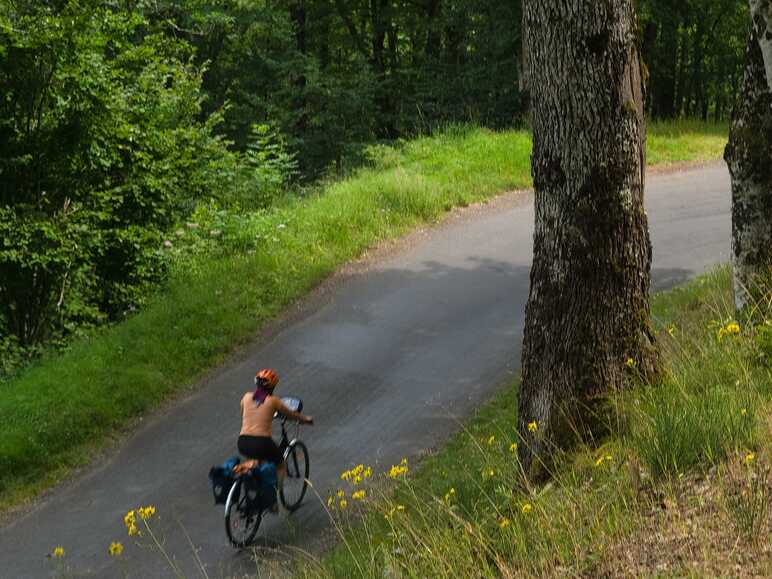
(761,12)
(588,308)
(749,157)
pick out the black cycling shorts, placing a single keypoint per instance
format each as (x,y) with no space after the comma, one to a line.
(260,448)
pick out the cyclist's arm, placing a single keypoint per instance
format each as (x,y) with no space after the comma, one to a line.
(281,408)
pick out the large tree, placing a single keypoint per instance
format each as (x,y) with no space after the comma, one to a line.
(587,317)
(749,157)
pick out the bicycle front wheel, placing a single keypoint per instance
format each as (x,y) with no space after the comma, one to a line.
(292,491)
(242,519)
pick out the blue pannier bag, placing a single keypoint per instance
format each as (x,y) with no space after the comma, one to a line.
(261,486)
(222,479)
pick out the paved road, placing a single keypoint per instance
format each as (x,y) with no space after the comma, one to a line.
(387,361)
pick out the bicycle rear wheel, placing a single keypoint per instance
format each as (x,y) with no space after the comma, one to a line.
(242,517)
(292,491)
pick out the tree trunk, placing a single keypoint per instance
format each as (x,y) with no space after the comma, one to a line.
(683,62)
(761,11)
(298,16)
(588,308)
(749,157)
(433,32)
(663,67)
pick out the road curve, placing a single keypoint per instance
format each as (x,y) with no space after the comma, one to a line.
(387,361)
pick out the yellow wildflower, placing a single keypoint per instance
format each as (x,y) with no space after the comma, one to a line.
(359,495)
(513,447)
(731,329)
(504,523)
(357,479)
(450,494)
(491,440)
(343,503)
(330,501)
(397,471)
(115,549)
(368,472)
(146,512)
(533,426)
(130,518)
(341,493)
(630,362)
(400,508)
(346,475)
(749,458)
(671,329)
(744,412)
(527,508)
(58,552)
(599,461)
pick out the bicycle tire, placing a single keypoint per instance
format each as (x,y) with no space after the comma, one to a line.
(237,509)
(298,468)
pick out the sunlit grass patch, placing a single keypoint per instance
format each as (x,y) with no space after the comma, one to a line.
(685,141)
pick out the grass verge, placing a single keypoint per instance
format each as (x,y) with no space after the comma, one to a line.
(681,485)
(685,141)
(56,413)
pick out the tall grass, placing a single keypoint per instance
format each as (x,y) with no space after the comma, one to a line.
(55,412)
(469,512)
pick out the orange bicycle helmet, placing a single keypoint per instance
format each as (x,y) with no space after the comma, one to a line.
(266,378)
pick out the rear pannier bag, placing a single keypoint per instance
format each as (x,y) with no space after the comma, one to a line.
(222,480)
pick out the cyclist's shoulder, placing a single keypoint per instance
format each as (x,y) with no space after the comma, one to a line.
(276,402)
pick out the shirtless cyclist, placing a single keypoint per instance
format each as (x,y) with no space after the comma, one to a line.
(257,410)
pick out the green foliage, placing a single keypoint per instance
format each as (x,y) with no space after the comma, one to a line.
(101,150)
(764,343)
(693,52)
(118,120)
(333,76)
(269,166)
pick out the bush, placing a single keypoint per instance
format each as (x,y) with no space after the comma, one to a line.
(102,150)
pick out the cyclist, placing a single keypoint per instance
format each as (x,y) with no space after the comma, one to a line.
(257,410)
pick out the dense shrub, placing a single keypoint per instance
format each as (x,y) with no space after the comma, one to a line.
(102,149)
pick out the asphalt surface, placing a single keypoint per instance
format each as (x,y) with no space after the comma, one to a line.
(388,360)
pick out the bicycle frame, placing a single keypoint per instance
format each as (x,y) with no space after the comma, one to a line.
(286,441)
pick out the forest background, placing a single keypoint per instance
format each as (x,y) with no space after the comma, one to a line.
(127,125)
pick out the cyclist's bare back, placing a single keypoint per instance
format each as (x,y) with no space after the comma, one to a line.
(257,412)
